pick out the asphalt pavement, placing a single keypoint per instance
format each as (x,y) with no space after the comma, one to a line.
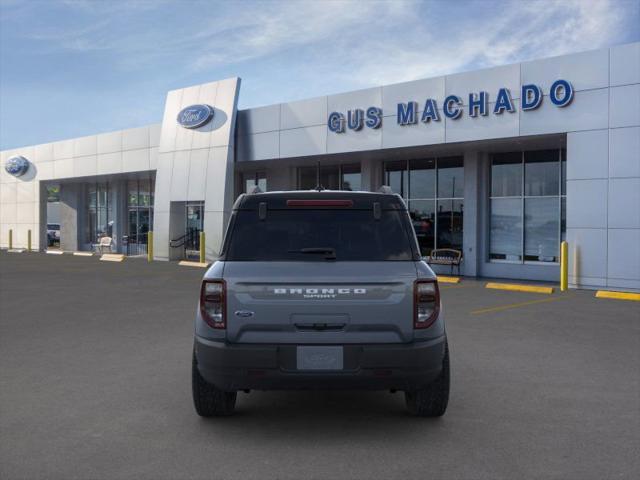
(95,362)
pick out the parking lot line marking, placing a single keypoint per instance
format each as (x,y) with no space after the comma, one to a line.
(54,252)
(448,279)
(83,254)
(515,305)
(112,257)
(186,263)
(514,287)
(618,295)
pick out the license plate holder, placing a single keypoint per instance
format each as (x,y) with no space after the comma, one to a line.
(320,358)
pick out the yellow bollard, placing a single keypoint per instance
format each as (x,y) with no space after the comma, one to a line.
(29,240)
(564,266)
(202,259)
(150,246)
(10,239)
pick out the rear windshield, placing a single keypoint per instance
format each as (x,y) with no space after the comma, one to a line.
(319,235)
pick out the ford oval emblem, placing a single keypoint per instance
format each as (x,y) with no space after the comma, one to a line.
(195,116)
(17,166)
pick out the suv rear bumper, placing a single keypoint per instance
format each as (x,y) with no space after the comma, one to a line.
(233,367)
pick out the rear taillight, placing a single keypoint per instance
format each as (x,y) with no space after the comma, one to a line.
(426,303)
(213,303)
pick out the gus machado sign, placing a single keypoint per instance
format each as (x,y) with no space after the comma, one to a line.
(560,95)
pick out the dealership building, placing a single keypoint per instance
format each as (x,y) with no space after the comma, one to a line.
(502,164)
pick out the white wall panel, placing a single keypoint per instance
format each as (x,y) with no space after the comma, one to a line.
(304,113)
(259,146)
(9,193)
(25,191)
(588,154)
(135,160)
(135,138)
(625,64)
(351,141)
(63,149)
(25,213)
(624,152)
(624,254)
(63,168)
(587,111)
(468,128)
(587,252)
(110,142)
(625,106)
(585,71)
(223,125)
(303,141)
(154,134)
(489,80)
(357,99)
(184,136)
(259,120)
(85,146)
(85,166)
(44,171)
(624,203)
(43,153)
(169,125)
(417,90)
(394,135)
(180,176)
(153,158)
(110,163)
(587,203)
(197,174)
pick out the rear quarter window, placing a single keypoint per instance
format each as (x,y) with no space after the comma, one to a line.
(354,235)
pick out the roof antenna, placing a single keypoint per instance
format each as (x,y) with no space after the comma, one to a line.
(318,186)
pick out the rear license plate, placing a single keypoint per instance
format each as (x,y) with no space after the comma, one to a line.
(319,358)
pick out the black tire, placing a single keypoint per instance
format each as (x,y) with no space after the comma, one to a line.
(432,400)
(209,400)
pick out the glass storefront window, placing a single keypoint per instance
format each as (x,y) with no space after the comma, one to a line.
(351,178)
(541,227)
(506,175)
(541,173)
(140,215)
(422,178)
(423,218)
(397,177)
(450,224)
(506,229)
(250,180)
(450,177)
(527,224)
(332,177)
(99,212)
(434,188)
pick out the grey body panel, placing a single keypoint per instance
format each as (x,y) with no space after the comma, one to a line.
(320,302)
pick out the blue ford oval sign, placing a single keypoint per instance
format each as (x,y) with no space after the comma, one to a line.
(17,166)
(195,116)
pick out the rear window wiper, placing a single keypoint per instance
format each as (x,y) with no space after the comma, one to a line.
(330,253)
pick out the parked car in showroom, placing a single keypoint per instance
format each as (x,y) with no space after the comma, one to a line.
(320,290)
(53,234)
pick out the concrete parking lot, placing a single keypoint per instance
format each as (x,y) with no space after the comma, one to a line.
(95,365)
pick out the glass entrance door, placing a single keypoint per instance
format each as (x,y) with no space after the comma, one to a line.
(194,225)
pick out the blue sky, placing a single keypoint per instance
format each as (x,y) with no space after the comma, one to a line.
(78,67)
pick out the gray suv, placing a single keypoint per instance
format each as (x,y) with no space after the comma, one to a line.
(320,290)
